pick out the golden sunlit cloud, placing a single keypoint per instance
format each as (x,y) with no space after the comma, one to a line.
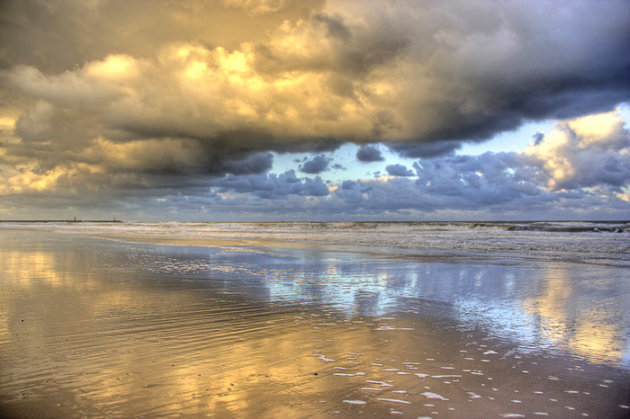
(576,147)
(112,68)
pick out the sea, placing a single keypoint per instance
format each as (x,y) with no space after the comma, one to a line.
(581,242)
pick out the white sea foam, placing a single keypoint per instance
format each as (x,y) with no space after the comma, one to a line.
(430,395)
(380,328)
(355,402)
(386,399)
(381,383)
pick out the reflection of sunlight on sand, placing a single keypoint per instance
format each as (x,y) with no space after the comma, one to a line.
(535,307)
(4,328)
(35,268)
(117,346)
(237,376)
(550,307)
(564,322)
(595,339)
(30,268)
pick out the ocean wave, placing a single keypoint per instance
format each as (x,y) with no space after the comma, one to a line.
(560,227)
(586,242)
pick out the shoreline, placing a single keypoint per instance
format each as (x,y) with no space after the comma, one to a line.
(61,221)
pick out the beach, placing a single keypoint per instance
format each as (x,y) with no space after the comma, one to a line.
(314,320)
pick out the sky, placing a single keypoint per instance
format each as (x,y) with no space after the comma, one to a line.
(228,110)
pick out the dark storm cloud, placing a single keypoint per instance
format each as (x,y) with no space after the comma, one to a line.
(253,164)
(423,71)
(316,165)
(369,154)
(425,150)
(398,170)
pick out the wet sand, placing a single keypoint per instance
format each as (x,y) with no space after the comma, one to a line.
(91,327)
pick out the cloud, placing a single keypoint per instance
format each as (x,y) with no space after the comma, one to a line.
(61,35)
(517,185)
(251,164)
(158,94)
(398,170)
(258,7)
(585,152)
(356,70)
(490,186)
(369,154)
(316,165)
(270,186)
(425,150)
(579,170)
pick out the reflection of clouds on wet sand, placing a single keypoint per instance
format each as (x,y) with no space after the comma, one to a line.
(582,315)
(31,269)
(553,305)
(227,333)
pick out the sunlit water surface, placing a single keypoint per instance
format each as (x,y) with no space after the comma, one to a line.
(94,327)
